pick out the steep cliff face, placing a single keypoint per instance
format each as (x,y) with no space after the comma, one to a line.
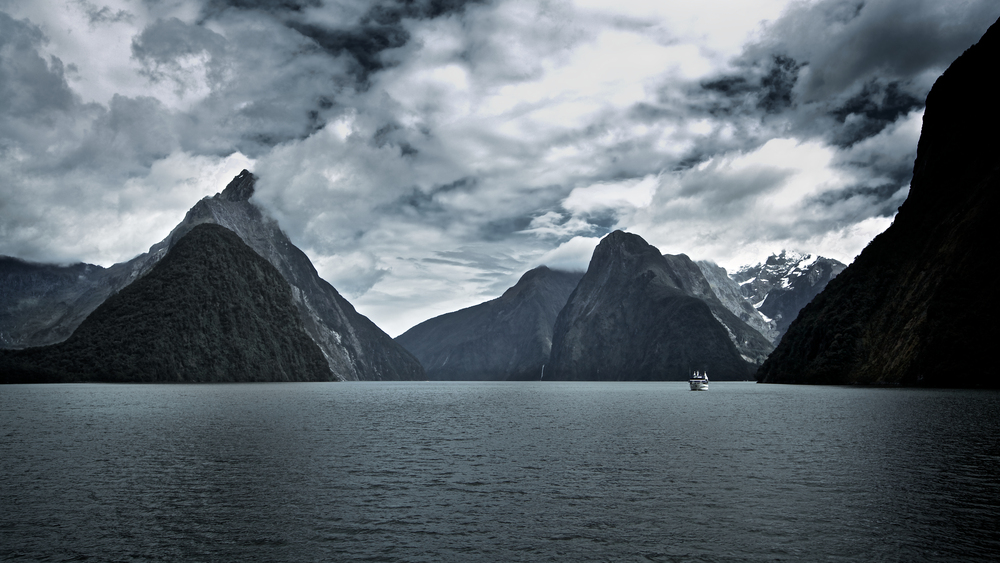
(784,283)
(354,347)
(630,319)
(687,276)
(732,298)
(507,338)
(917,306)
(211,310)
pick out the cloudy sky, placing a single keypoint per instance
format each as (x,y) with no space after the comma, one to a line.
(425,153)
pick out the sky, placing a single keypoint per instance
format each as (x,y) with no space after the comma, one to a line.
(426,153)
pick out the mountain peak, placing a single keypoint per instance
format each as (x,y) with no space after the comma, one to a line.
(624,248)
(240,188)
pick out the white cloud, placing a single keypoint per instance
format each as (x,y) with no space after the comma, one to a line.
(634,193)
(492,138)
(785,194)
(573,255)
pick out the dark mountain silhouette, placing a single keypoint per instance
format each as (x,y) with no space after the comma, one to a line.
(33,314)
(506,338)
(634,317)
(917,306)
(784,283)
(211,310)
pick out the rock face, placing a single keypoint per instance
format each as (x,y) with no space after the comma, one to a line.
(917,306)
(354,347)
(211,310)
(731,296)
(781,286)
(634,317)
(43,303)
(507,338)
(689,278)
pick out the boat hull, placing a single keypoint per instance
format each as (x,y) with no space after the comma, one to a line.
(699,385)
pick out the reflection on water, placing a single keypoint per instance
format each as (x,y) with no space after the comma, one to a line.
(497,471)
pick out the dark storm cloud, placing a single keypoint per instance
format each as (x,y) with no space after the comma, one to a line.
(502,229)
(427,205)
(130,135)
(878,197)
(845,70)
(379,28)
(162,46)
(250,95)
(104,14)
(871,110)
(31,87)
(214,8)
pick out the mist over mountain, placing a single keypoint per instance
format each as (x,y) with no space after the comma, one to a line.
(917,306)
(636,316)
(506,338)
(783,284)
(212,310)
(354,347)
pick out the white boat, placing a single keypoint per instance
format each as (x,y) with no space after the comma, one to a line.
(699,381)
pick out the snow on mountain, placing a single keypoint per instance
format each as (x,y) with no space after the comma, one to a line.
(779,287)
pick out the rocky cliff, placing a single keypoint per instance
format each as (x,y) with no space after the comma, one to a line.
(690,278)
(731,296)
(507,338)
(355,348)
(630,318)
(211,310)
(917,306)
(784,283)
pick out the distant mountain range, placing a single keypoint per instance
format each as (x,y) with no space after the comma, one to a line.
(44,304)
(917,306)
(635,315)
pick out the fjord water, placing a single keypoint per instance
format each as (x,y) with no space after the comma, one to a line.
(497,472)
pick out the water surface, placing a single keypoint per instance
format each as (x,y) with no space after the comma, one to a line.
(546,471)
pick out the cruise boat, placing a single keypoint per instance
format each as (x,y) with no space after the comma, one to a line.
(699,381)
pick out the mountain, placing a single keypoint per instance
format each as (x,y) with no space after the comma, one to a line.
(688,276)
(781,286)
(43,303)
(211,310)
(731,296)
(509,337)
(634,316)
(354,347)
(917,306)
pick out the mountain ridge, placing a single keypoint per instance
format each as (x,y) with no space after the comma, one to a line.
(784,283)
(212,310)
